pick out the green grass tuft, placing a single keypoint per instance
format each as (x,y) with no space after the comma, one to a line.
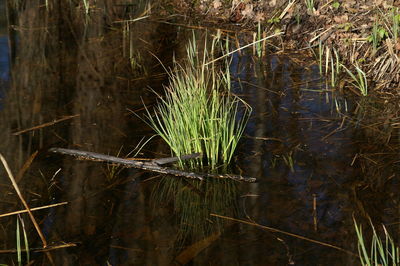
(310,5)
(199,113)
(360,79)
(382,252)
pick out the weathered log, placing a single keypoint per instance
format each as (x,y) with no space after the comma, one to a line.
(150,165)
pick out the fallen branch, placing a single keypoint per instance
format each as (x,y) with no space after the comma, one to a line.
(152,165)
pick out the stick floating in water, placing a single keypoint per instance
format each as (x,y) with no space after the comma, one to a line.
(150,165)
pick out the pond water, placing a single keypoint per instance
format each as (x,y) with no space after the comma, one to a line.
(320,156)
(4,55)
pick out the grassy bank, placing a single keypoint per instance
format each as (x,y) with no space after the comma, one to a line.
(363,35)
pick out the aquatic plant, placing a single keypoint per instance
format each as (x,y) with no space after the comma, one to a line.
(381,252)
(259,43)
(331,60)
(321,48)
(360,79)
(244,47)
(335,68)
(289,161)
(199,113)
(19,245)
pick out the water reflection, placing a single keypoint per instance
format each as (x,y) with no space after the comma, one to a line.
(304,144)
(291,150)
(4,59)
(4,53)
(194,202)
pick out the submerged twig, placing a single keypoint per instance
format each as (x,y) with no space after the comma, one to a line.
(285,233)
(193,250)
(53,247)
(10,175)
(34,209)
(15,185)
(45,125)
(25,167)
(153,165)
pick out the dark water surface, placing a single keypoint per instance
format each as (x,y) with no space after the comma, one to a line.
(4,54)
(319,156)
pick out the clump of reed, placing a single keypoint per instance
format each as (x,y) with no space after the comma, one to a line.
(382,252)
(199,113)
(359,79)
(331,60)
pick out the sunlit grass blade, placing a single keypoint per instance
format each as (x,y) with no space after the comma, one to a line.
(26,243)
(359,81)
(19,250)
(383,253)
(20,224)
(309,5)
(198,112)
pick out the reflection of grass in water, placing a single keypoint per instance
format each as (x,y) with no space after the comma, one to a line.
(199,113)
(193,202)
(130,37)
(381,252)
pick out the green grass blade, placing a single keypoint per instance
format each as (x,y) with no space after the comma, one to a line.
(19,253)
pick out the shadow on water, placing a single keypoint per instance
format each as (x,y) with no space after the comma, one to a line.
(320,157)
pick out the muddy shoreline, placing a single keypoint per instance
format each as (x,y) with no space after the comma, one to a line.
(363,33)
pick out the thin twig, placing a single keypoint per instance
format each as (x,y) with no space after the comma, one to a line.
(65,245)
(34,209)
(10,175)
(15,185)
(130,20)
(290,4)
(25,167)
(45,125)
(285,233)
(247,45)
